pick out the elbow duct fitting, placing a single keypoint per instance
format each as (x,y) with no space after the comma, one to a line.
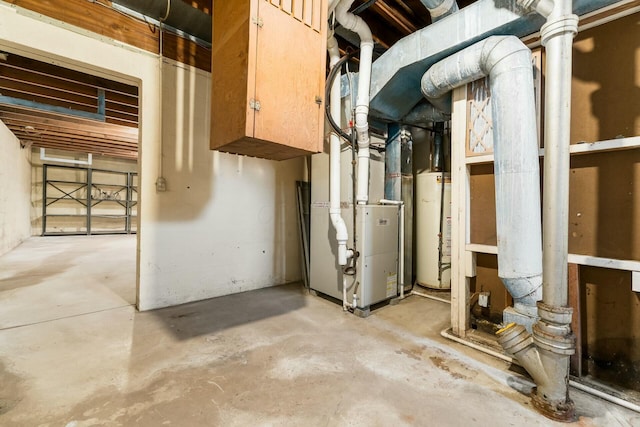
(545,356)
(507,63)
(357,25)
(543,7)
(438,9)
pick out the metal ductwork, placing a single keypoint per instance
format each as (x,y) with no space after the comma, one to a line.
(438,9)
(545,353)
(507,63)
(395,78)
(424,114)
(181,15)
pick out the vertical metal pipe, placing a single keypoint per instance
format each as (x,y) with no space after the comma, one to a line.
(392,164)
(557,130)
(552,333)
(437,160)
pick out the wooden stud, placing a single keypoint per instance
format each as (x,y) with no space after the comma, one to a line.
(460,283)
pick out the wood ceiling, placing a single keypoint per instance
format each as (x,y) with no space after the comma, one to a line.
(48,106)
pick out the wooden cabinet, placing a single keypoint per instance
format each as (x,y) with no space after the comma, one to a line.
(268,72)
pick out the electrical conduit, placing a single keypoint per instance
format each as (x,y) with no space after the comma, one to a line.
(356,24)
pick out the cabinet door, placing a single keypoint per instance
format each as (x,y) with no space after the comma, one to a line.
(233,62)
(290,73)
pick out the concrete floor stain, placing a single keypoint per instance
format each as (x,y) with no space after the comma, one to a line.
(9,391)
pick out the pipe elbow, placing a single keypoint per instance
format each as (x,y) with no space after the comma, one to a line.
(429,88)
(435,89)
(341,228)
(352,22)
(543,7)
(441,9)
(341,233)
(503,53)
(516,341)
(526,292)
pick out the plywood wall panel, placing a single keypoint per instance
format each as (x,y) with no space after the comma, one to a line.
(610,319)
(487,280)
(483,205)
(604,208)
(606,81)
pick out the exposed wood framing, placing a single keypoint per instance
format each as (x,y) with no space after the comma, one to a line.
(460,282)
(46,84)
(51,130)
(100,18)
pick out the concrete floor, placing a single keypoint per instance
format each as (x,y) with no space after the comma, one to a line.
(74,352)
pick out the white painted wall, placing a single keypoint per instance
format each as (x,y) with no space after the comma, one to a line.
(15,191)
(227,223)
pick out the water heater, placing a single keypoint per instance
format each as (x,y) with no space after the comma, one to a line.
(431,271)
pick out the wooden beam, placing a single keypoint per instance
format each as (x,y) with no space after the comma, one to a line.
(202,5)
(22,77)
(42,93)
(186,52)
(51,133)
(98,17)
(26,117)
(65,74)
(394,17)
(61,146)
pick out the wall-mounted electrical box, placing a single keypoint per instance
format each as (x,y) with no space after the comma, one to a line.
(268,72)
